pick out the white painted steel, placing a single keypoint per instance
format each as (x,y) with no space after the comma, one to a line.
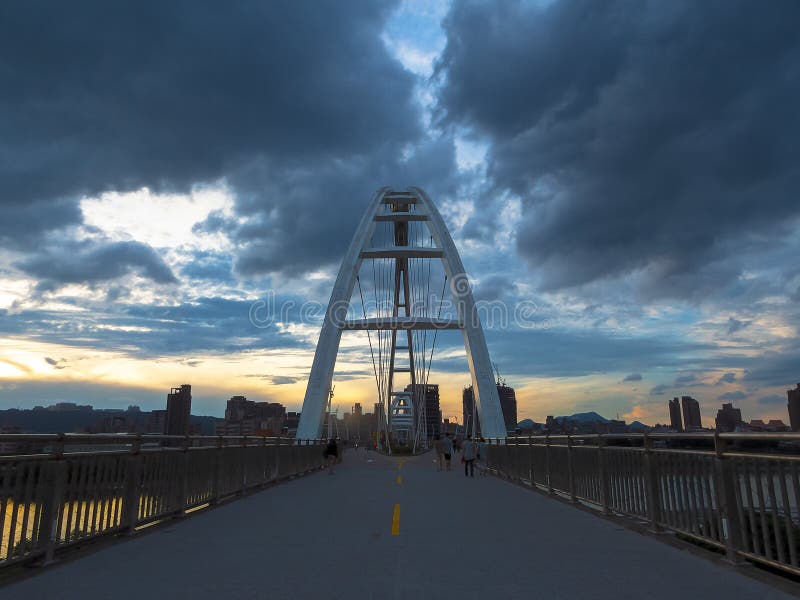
(402,252)
(319,381)
(480,366)
(401,323)
(402,216)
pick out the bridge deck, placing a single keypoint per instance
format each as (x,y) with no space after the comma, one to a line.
(331,537)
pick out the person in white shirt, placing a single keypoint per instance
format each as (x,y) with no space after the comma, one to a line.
(469,452)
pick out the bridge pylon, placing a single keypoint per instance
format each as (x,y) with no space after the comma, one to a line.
(402,231)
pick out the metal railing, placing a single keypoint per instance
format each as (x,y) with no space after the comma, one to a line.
(725,491)
(63,489)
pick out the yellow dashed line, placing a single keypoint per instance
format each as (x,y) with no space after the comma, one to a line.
(399,480)
(396,520)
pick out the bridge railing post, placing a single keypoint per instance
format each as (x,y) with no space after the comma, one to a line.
(515,459)
(277,458)
(216,481)
(133,477)
(570,470)
(244,460)
(602,460)
(55,476)
(504,451)
(547,465)
(727,499)
(530,462)
(264,466)
(181,490)
(652,485)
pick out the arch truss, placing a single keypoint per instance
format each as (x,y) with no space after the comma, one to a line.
(398,239)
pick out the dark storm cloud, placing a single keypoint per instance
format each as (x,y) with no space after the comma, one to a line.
(214,325)
(774,367)
(564,353)
(301,216)
(655,136)
(686,379)
(90,262)
(728,377)
(772,400)
(659,390)
(633,377)
(299,107)
(735,325)
(212,266)
(496,287)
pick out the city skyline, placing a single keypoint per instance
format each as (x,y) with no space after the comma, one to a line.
(160,228)
(243,416)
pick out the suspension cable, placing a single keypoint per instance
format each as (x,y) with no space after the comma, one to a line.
(369,337)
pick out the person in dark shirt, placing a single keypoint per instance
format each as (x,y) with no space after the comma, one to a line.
(448,451)
(332,454)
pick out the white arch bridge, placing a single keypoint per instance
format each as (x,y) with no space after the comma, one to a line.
(391,260)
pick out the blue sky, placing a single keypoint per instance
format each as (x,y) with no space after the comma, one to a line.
(628,169)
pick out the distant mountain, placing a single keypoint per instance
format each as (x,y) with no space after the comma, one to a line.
(638,425)
(586,417)
(529,424)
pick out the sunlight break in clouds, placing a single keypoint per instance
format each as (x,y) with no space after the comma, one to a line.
(159,220)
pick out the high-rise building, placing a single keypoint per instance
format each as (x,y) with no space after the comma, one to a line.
(675,415)
(291,422)
(433,413)
(728,418)
(794,408)
(247,417)
(469,414)
(179,407)
(508,404)
(691,413)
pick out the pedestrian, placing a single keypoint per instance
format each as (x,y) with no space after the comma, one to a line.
(483,457)
(331,454)
(438,445)
(468,456)
(447,447)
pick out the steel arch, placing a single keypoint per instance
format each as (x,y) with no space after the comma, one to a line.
(480,366)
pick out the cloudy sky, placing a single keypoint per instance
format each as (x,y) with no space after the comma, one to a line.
(629,169)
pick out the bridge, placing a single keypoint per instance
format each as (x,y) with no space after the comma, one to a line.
(597,516)
(555,516)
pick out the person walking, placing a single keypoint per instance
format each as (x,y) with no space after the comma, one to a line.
(438,445)
(331,454)
(469,451)
(447,447)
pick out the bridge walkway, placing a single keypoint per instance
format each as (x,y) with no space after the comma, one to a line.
(339,537)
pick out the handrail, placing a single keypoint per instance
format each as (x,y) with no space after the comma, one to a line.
(105,484)
(719,488)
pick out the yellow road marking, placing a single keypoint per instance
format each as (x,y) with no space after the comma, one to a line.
(399,480)
(396,520)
